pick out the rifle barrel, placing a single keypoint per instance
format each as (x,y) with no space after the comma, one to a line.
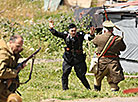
(31,55)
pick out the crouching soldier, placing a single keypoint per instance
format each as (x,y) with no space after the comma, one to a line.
(9,81)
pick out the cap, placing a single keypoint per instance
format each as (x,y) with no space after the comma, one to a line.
(108,23)
(71,26)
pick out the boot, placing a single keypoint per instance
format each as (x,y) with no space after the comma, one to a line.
(97,88)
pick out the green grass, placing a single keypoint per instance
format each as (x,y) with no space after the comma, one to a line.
(46,83)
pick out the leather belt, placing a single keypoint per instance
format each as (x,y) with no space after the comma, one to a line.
(76,51)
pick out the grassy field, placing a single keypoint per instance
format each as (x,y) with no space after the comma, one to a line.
(46,83)
(28,18)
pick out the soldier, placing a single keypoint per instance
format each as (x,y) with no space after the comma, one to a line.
(108,64)
(9,55)
(73,55)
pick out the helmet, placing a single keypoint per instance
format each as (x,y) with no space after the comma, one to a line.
(108,23)
(14,98)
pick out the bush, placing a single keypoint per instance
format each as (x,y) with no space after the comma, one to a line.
(37,33)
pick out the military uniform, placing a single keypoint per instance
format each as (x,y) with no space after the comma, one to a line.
(8,61)
(109,64)
(73,56)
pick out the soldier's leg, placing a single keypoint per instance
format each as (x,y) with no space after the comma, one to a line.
(98,79)
(66,71)
(116,75)
(97,82)
(80,70)
(114,86)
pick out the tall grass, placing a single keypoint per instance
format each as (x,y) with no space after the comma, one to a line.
(46,83)
(21,9)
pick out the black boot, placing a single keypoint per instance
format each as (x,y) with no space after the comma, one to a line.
(86,84)
(65,83)
(97,88)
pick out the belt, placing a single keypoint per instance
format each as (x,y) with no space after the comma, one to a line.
(76,51)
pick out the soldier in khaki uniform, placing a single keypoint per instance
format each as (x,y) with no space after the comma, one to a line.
(9,55)
(109,64)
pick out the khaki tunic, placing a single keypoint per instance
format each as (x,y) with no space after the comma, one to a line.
(8,61)
(110,66)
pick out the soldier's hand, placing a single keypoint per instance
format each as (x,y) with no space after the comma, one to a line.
(92,31)
(19,67)
(51,24)
(24,65)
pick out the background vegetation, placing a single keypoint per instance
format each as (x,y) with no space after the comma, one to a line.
(34,27)
(27,17)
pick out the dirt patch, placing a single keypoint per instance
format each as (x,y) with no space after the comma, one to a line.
(114,99)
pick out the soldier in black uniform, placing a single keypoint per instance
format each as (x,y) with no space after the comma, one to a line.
(73,55)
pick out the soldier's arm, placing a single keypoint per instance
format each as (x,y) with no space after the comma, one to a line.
(5,71)
(95,41)
(53,31)
(56,33)
(91,35)
(122,45)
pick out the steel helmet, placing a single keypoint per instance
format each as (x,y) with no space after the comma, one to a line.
(14,98)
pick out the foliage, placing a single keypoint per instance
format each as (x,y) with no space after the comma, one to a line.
(37,33)
(28,18)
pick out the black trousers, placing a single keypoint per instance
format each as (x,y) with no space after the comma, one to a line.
(80,69)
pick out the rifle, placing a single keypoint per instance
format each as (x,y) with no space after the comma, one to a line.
(106,16)
(12,86)
(20,65)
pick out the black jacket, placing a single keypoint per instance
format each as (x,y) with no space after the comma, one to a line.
(74,46)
